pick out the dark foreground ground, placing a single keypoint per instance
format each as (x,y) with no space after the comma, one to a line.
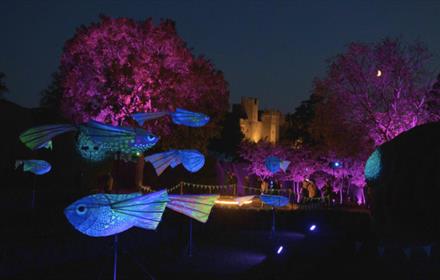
(234,244)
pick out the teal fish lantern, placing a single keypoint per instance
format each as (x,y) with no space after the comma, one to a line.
(95,140)
(35,166)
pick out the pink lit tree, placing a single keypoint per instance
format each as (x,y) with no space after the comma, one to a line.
(372,93)
(117,67)
(256,154)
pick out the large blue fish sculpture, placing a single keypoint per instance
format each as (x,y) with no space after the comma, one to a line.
(192,160)
(274,200)
(38,167)
(275,164)
(108,214)
(95,140)
(180,116)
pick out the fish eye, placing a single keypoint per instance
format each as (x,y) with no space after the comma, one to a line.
(81,209)
(85,148)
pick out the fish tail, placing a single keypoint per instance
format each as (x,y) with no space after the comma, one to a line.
(192,160)
(140,118)
(197,207)
(284,164)
(37,137)
(161,161)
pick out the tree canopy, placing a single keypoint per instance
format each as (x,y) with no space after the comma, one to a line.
(372,93)
(117,67)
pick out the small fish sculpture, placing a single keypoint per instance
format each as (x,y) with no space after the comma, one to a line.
(274,200)
(38,167)
(95,140)
(275,164)
(108,214)
(197,207)
(180,116)
(192,160)
(48,145)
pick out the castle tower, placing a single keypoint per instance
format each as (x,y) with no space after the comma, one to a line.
(250,106)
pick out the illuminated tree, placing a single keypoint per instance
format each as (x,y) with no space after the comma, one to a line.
(433,100)
(256,154)
(372,93)
(117,67)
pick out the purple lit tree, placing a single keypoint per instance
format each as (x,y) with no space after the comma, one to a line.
(372,93)
(117,67)
(256,154)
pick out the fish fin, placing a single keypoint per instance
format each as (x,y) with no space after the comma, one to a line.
(192,160)
(188,118)
(49,145)
(197,207)
(274,200)
(37,137)
(284,164)
(18,163)
(140,118)
(242,199)
(146,209)
(105,133)
(161,161)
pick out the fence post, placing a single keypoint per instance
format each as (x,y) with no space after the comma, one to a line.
(181,188)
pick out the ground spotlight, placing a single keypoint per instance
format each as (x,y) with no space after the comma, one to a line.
(312,228)
(280,249)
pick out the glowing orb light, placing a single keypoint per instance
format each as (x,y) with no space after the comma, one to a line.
(312,228)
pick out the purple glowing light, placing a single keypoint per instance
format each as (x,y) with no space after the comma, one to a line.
(312,227)
(280,249)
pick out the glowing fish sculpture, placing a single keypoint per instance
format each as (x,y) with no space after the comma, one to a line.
(38,167)
(180,116)
(275,164)
(274,200)
(95,140)
(373,166)
(192,160)
(197,207)
(108,214)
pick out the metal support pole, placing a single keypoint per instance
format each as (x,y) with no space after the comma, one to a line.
(273,222)
(34,191)
(190,238)
(115,260)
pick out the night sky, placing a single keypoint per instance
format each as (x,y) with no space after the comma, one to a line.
(271,50)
